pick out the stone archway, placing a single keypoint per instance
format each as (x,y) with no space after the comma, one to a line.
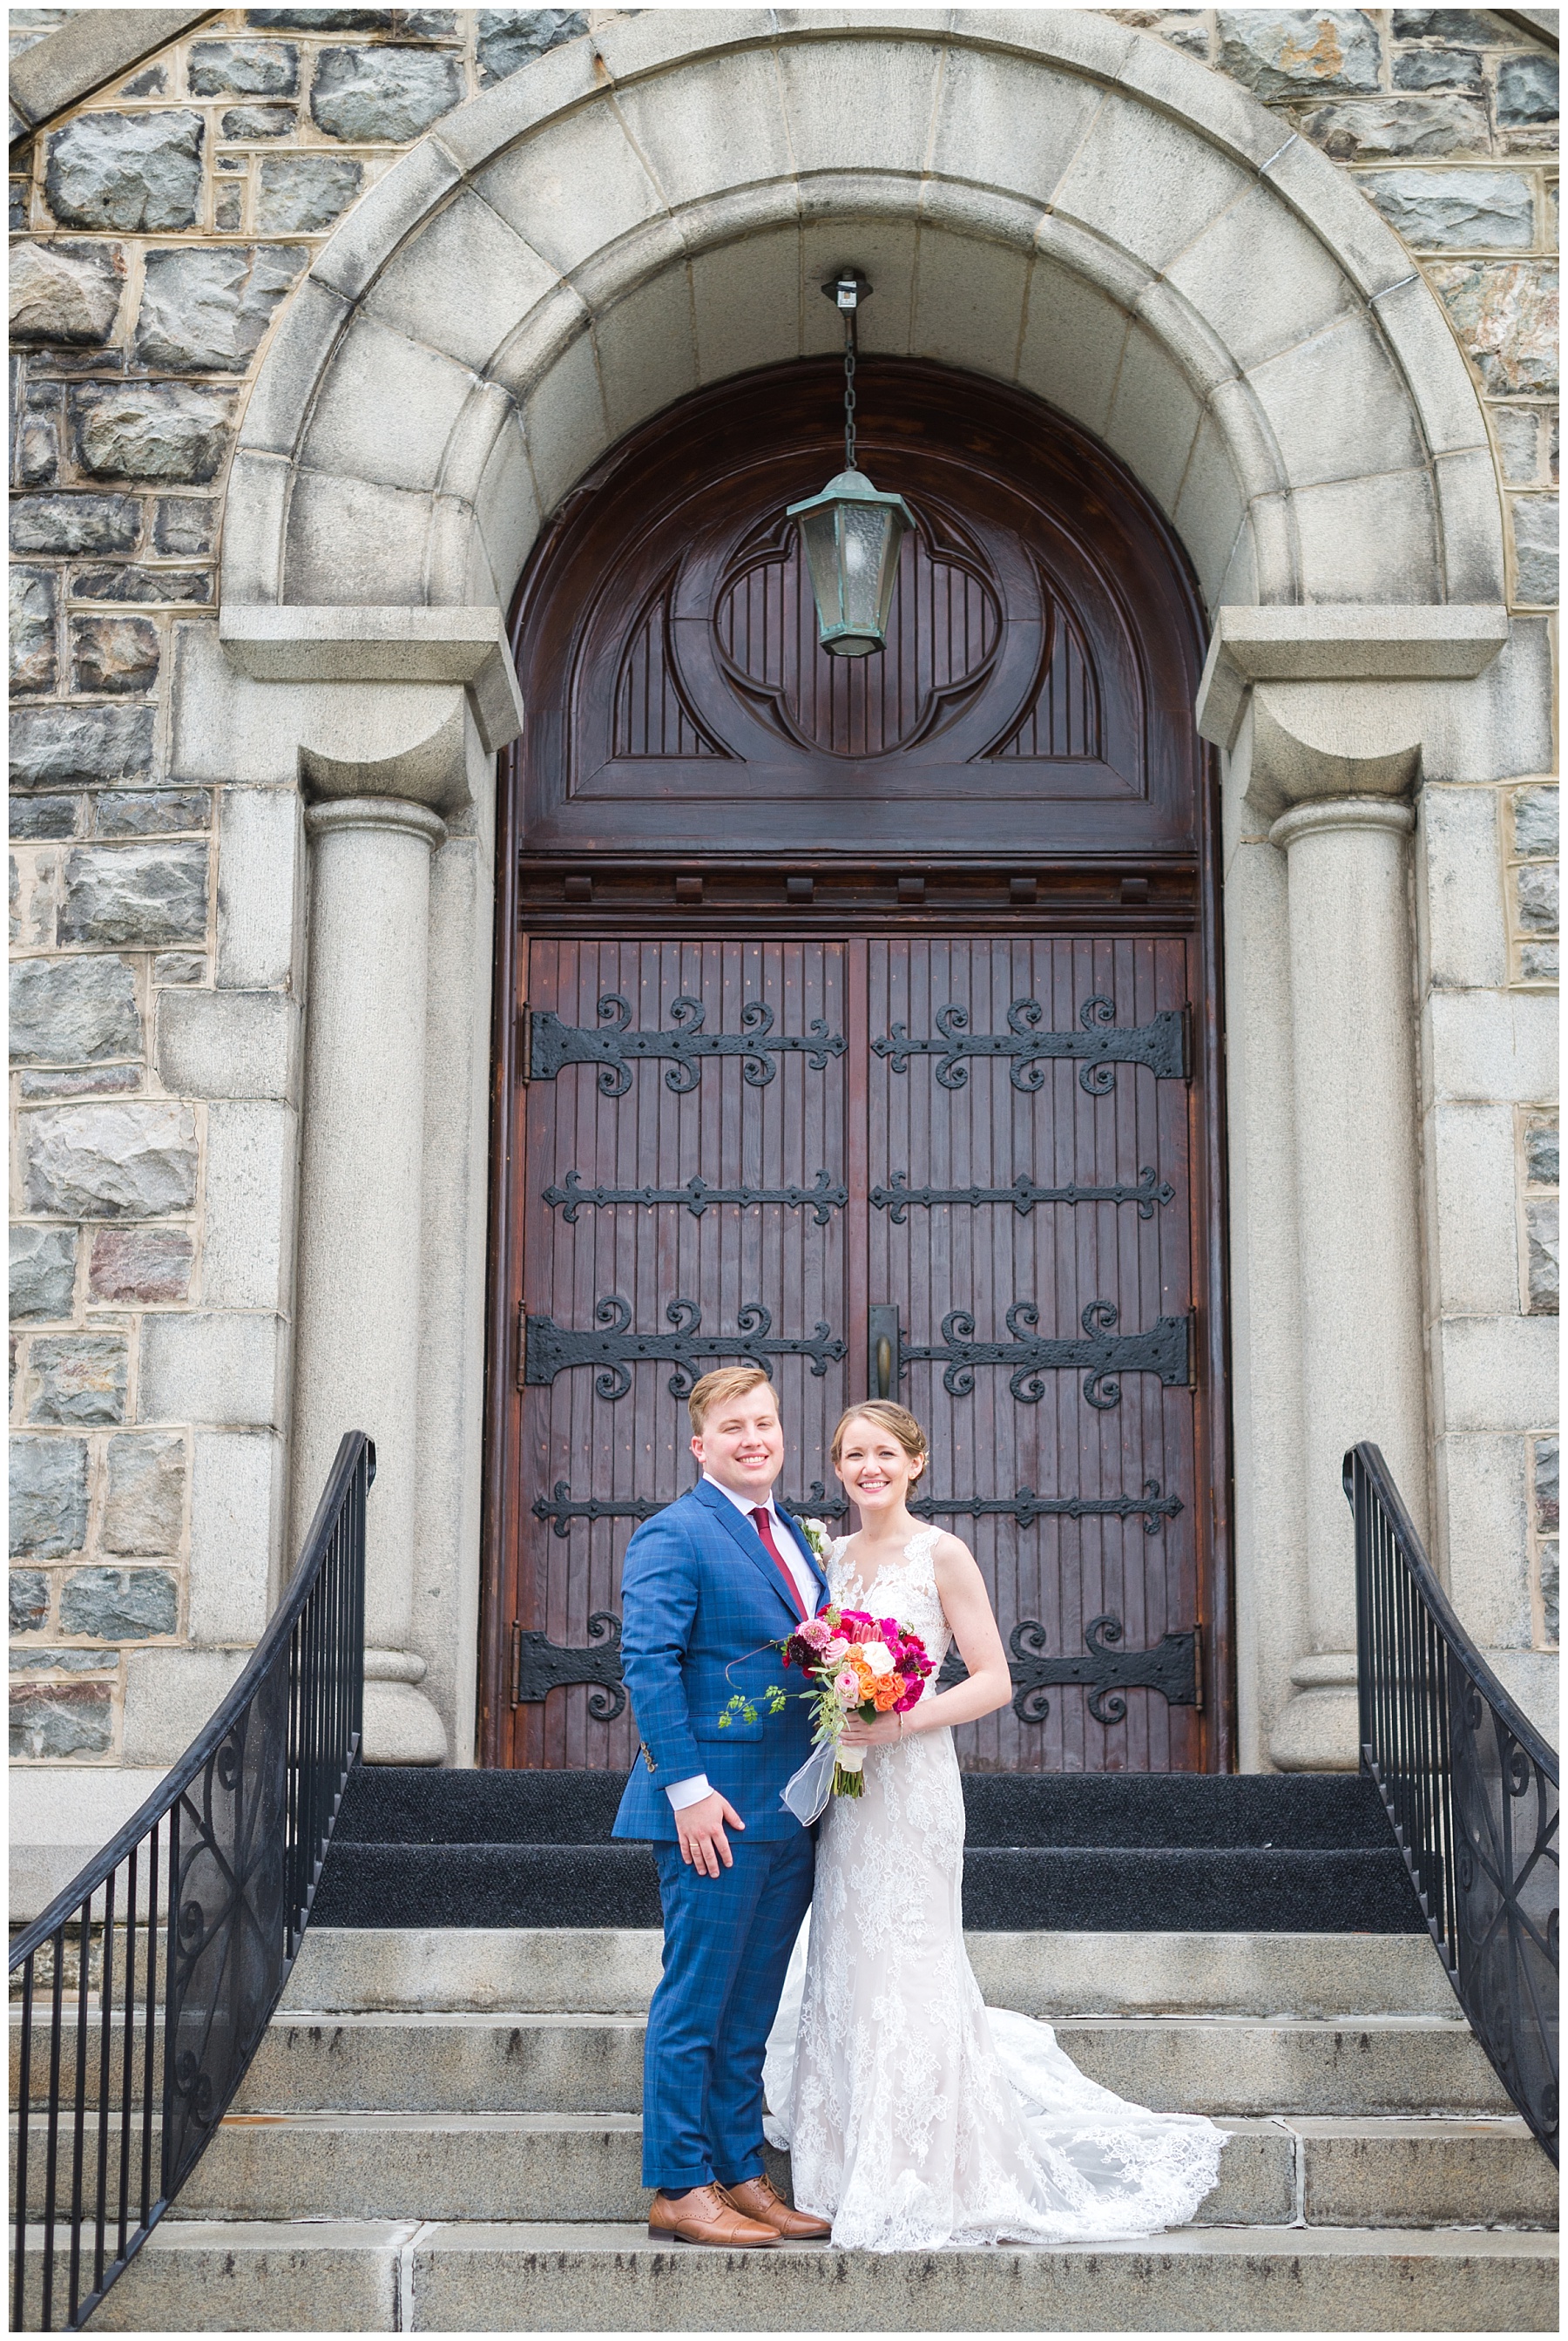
(650,210)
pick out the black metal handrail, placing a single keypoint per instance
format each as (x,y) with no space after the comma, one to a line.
(183,1931)
(1469,1788)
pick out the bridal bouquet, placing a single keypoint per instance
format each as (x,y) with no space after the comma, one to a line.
(856,1665)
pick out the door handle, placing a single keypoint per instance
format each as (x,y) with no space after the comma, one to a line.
(885,1365)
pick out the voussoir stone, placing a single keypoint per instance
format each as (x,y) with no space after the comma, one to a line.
(244,69)
(138,172)
(383,93)
(140,1264)
(204,311)
(64,747)
(72,1012)
(1376,130)
(57,1720)
(78,1380)
(1505,314)
(510,38)
(29,1601)
(145,1506)
(1535,542)
(1292,52)
(69,523)
(111,1160)
(1526,91)
(113,653)
(65,293)
(48,1496)
(42,1273)
(301,194)
(32,606)
(1456,211)
(151,431)
(119,1604)
(136,894)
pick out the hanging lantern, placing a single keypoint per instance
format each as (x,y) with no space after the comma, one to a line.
(851,532)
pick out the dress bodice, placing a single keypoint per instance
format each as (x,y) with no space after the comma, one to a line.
(904,1589)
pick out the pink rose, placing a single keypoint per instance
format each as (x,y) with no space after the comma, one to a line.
(847,1686)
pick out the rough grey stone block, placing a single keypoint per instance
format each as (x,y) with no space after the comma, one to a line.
(139,173)
(1542,1246)
(65,293)
(260,122)
(382,93)
(1526,91)
(300,194)
(94,1081)
(1456,211)
(110,1161)
(1371,130)
(38,441)
(42,1273)
(1293,52)
(1537,893)
(150,812)
(78,1380)
(1550,1593)
(113,655)
(60,1720)
(184,525)
(1448,24)
(67,1012)
(146,1505)
(1536,822)
(133,583)
(179,967)
(32,612)
(1535,541)
(204,311)
(151,431)
(1438,69)
(43,817)
(134,894)
(29,1601)
(74,524)
(65,747)
(228,211)
(64,1662)
(243,68)
(510,38)
(325,20)
(119,1604)
(1539,962)
(1505,314)
(1541,1160)
(48,1496)
(140,1264)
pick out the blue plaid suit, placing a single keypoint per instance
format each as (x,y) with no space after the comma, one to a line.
(701,1598)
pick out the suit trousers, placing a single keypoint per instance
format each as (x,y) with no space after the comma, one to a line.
(727,1945)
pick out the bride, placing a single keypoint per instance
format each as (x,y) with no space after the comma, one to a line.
(916,2117)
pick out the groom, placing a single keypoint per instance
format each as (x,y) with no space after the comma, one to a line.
(707,1585)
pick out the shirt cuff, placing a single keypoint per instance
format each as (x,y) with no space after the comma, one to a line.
(687,1792)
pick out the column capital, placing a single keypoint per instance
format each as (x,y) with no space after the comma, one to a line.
(376,813)
(1321,813)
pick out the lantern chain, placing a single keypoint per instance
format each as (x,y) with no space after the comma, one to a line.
(849,354)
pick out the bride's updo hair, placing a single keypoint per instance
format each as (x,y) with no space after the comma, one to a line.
(896,1419)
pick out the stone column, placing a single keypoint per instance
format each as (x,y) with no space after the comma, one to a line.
(357,1308)
(1352,986)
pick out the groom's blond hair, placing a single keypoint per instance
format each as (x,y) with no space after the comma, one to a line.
(716,1389)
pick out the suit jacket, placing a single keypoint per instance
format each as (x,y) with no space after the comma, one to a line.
(701,1598)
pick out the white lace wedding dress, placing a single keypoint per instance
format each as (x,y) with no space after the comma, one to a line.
(916,2117)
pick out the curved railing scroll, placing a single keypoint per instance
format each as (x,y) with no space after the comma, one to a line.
(142,1993)
(1469,1788)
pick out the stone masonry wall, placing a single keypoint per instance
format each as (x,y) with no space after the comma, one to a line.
(157,230)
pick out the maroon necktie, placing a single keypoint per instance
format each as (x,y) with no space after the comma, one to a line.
(764,1528)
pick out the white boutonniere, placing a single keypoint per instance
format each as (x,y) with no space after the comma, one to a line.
(816,1535)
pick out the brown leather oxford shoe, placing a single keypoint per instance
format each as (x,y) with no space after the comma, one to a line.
(705,2215)
(760,2199)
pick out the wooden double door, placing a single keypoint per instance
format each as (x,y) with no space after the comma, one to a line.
(954,1170)
(860,1017)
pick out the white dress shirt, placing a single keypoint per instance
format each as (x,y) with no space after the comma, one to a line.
(687,1792)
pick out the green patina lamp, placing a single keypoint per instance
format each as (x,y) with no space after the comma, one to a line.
(851,532)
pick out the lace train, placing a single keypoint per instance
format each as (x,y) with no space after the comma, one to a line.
(916,2117)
